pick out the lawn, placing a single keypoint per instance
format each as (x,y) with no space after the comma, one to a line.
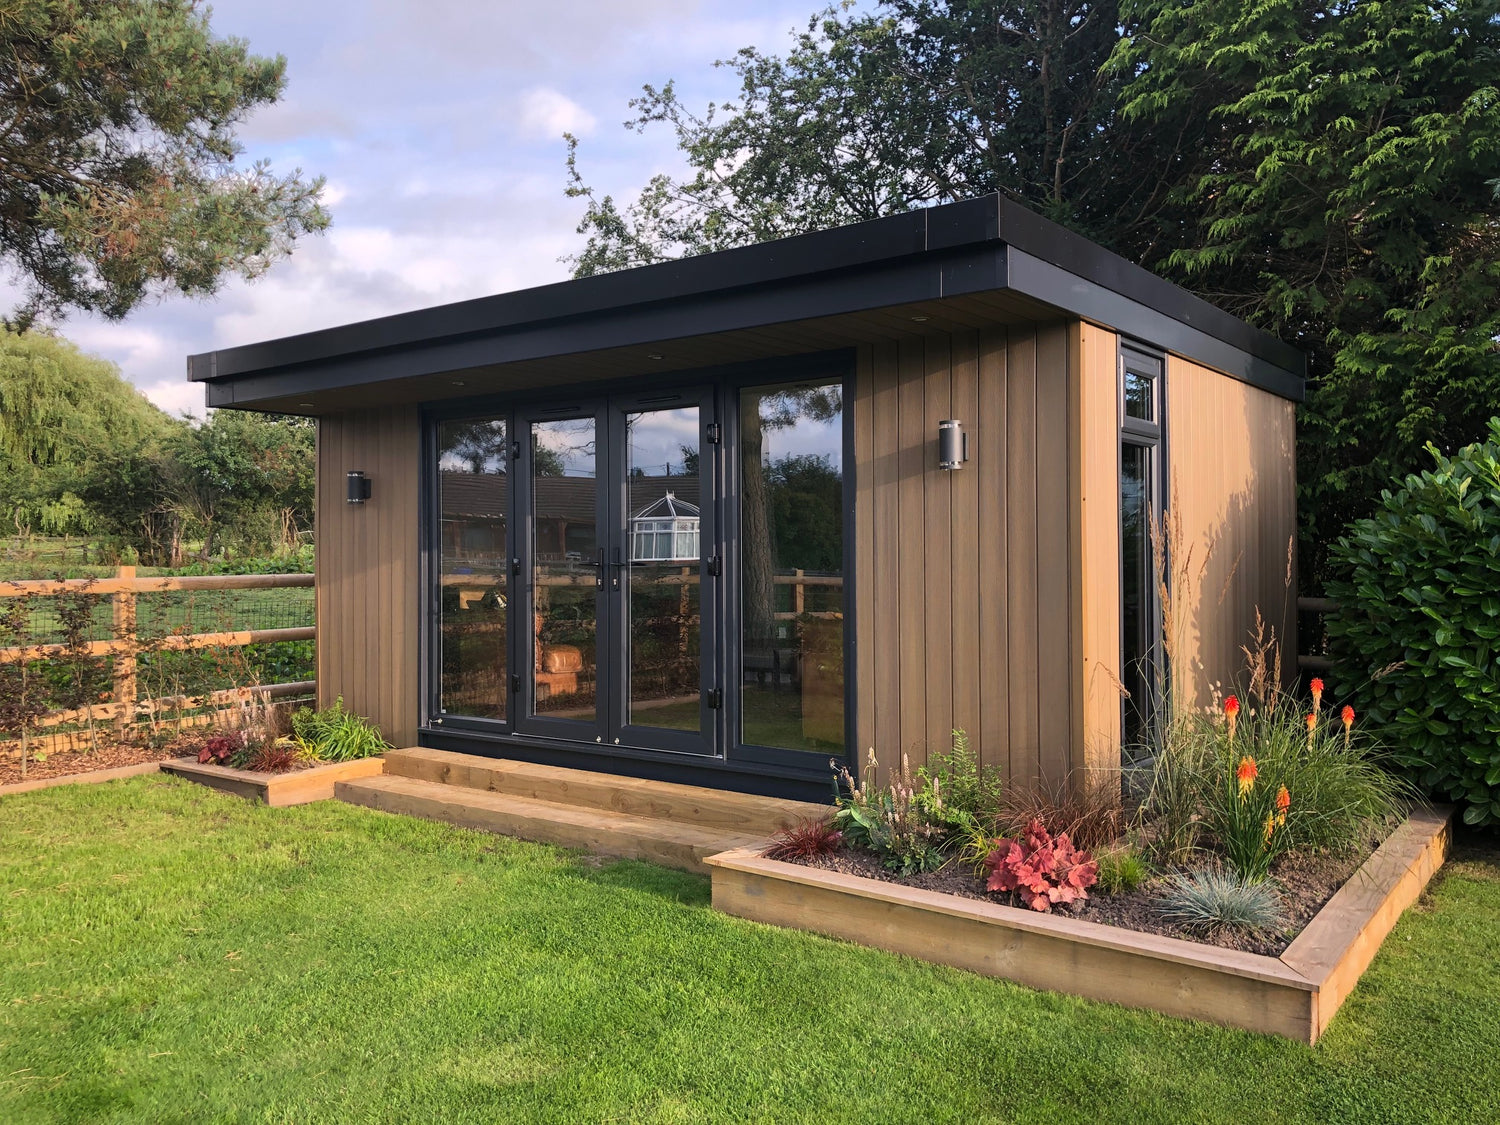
(168,953)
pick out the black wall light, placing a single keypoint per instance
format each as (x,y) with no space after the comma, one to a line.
(953,444)
(359,486)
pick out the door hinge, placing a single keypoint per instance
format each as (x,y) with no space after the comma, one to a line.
(715,566)
(713,433)
(715,698)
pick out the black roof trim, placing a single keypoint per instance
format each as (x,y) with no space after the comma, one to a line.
(974,230)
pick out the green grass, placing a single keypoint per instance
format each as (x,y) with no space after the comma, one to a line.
(168,953)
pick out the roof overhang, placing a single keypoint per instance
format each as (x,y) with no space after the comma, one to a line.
(958,266)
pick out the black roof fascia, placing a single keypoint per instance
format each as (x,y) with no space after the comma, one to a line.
(966,247)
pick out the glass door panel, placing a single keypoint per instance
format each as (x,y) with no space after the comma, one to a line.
(566,569)
(663,603)
(473,567)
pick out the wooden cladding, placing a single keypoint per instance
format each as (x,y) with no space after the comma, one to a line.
(367,571)
(1094,384)
(1232,459)
(965,605)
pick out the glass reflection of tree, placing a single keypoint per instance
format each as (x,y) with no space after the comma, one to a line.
(764,413)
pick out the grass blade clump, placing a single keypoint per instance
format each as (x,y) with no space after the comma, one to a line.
(1206,900)
(336,735)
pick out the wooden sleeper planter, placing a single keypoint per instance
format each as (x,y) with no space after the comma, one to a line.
(295,787)
(1294,995)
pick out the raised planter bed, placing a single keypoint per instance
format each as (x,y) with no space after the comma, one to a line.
(1294,995)
(296,787)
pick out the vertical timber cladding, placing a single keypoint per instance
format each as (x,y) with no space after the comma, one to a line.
(1094,385)
(966,615)
(1232,461)
(367,567)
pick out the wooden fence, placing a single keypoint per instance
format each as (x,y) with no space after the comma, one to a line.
(125,708)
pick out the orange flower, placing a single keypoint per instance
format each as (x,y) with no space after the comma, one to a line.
(1283,802)
(1317,690)
(1270,826)
(1246,774)
(1231,712)
(1312,725)
(1348,716)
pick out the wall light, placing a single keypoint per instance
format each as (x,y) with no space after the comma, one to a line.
(953,444)
(359,486)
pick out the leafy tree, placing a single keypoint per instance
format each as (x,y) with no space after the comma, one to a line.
(64,417)
(117,175)
(1348,204)
(923,102)
(246,476)
(1326,170)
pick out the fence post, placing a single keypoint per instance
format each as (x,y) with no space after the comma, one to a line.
(124,630)
(799,594)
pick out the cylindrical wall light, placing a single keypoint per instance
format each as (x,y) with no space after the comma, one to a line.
(359,486)
(953,444)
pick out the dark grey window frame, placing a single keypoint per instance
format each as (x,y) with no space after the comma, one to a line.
(723,385)
(1140,359)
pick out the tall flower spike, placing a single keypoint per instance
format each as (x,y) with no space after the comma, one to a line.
(1317,690)
(1246,774)
(1312,725)
(1348,717)
(1283,802)
(1232,713)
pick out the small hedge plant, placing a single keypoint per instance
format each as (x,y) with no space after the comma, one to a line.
(1418,627)
(336,735)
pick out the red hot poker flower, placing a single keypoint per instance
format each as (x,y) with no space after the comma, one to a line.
(1312,725)
(1232,712)
(1317,690)
(1246,774)
(1348,716)
(1283,799)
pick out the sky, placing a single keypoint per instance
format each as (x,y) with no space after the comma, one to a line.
(438,124)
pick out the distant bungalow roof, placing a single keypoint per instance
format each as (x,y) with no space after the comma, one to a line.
(951,267)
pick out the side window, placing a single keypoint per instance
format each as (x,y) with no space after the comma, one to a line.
(1142,493)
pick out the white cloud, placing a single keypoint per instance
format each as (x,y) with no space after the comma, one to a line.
(545,114)
(177,396)
(438,127)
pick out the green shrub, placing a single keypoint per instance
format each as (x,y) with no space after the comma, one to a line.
(336,735)
(1414,642)
(906,823)
(964,784)
(1208,900)
(1122,869)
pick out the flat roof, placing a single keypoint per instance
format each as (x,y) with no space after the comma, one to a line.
(959,264)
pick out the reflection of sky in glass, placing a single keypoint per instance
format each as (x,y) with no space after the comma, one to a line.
(572,439)
(657,438)
(806,436)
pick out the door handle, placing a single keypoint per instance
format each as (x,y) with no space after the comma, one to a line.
(599,570)
(615,579)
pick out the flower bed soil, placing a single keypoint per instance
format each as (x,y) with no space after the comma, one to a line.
(1306,882)
(110,755)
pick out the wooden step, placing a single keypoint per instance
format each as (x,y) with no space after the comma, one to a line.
(596,830)
(742,813)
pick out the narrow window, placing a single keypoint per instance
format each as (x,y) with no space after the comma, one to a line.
(1141,496)
(473,505)
(792,567)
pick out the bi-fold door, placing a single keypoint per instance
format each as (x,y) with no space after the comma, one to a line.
(616,553)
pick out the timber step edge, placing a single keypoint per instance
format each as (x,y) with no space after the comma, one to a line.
(601,831)
(743,814)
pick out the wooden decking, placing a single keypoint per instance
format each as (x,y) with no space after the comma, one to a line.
(674,825)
